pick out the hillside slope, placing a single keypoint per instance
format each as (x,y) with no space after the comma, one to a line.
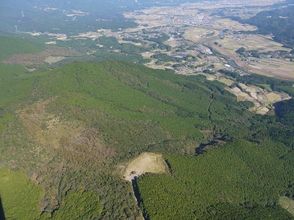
(70,128)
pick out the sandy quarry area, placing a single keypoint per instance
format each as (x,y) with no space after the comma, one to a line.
(144,163)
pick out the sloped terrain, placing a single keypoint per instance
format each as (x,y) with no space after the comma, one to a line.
(69,128)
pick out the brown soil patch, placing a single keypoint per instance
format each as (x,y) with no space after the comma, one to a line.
(63,146)
(50,55)
(72,138)
(144,163)
(46,128)
(287,203)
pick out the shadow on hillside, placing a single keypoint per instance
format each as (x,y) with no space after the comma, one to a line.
(2,215)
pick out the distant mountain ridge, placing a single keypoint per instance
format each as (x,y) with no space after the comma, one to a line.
(278,22)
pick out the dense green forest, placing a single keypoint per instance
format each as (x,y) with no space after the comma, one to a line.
(20,45)
(242,179)
(129,108)
(133,109)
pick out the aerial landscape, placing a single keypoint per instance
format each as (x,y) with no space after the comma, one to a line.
(146,109)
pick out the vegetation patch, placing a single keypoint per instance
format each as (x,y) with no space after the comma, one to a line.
(71,127)
(20,197)
(15,45)
(79,205)
(243,175)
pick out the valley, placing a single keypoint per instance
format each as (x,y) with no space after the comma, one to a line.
(192,39)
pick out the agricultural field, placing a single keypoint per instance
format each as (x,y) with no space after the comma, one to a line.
(251,42)
(267,66)
(195,35)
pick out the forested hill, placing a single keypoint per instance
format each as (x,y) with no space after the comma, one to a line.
(73,126)
(278,22)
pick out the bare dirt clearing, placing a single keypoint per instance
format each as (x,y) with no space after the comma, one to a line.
(287,204)
(62,145)
(77,142)
(52,59)
(144,163)
(50,56)
(45,128)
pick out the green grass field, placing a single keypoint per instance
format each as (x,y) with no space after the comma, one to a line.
(20,197)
